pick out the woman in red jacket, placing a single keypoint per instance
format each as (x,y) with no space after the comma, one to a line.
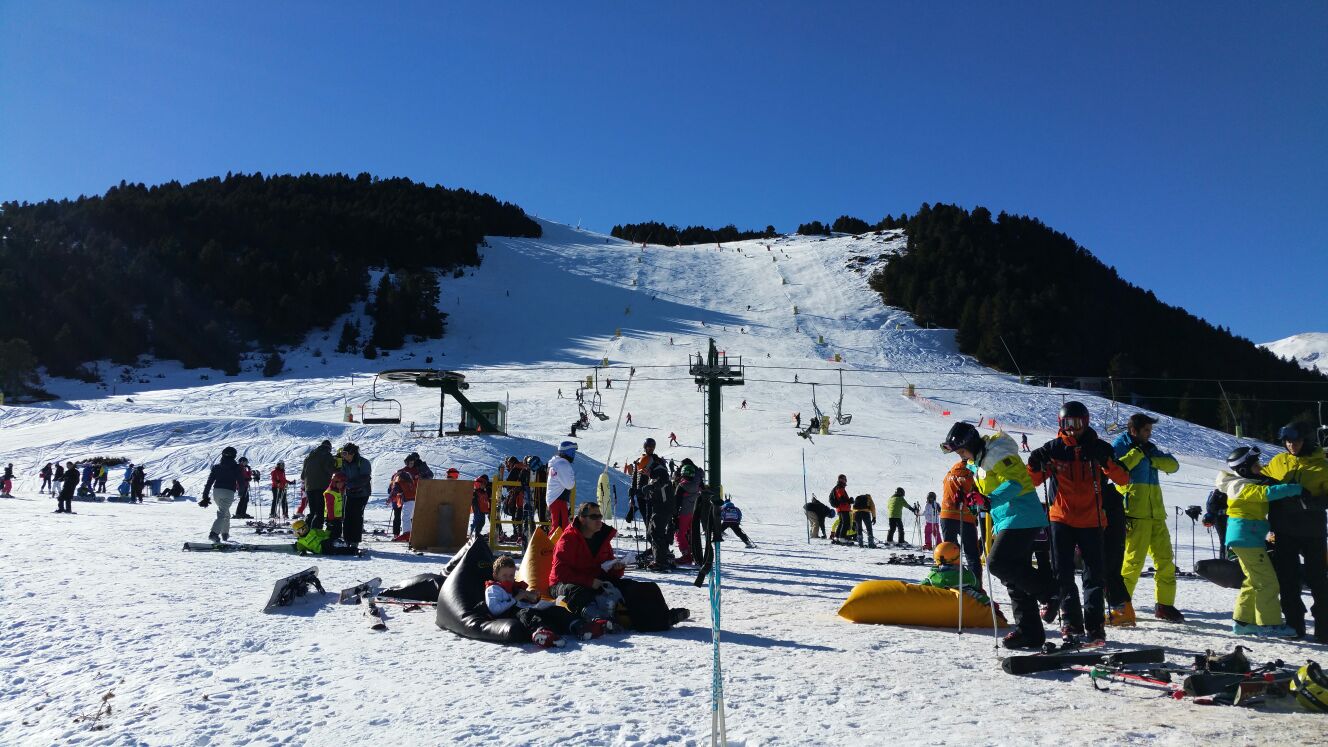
(583,561)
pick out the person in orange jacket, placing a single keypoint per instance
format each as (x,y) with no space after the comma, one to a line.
(1072,466)
(959,523)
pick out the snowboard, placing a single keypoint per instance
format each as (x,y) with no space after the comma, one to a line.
(235,547)
(356,592)
(295,585)
(1031,663)
(1223,572)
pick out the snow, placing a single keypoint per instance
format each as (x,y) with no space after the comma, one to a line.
(1309,349)
(105,601)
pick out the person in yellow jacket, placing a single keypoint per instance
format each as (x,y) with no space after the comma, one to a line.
(864,518)
(1146,516)
(1300,540)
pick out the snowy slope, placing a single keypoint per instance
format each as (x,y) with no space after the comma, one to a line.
(1310,349)
(104,600)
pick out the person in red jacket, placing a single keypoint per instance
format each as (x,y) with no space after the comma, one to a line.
(842,503)
(479,504)
(401,495)
(583,562)
(279,485)
(1072,466)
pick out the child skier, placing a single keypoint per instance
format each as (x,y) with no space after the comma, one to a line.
(948,573)
(334,505)
(507,597)
(730,517)
(895,509)
(7,481)
(317,541)
(864,518)
(480,504)
(401,492)
(931,522)
(1258,611)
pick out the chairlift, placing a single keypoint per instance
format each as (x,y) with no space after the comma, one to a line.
(841,417)
(597,406)
(815,409)
(380,410)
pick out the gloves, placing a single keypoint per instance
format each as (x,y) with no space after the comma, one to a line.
(978,501)
(207,501)
(1148,449)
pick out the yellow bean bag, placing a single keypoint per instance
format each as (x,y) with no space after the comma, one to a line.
(898,603)
(537,562)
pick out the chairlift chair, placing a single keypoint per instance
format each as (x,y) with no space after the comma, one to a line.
(380,410)
(841,417)
(597,407)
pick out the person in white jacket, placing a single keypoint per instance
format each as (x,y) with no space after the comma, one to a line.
(562,479)
(931,517)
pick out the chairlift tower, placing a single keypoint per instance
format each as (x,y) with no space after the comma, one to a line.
(715,371)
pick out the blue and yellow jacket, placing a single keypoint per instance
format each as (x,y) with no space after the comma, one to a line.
(1247,506)
(1143,494)
(1000,475)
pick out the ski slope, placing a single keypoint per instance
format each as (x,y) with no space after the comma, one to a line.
(104,601)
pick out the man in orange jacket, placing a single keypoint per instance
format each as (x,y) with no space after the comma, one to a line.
(1072,466)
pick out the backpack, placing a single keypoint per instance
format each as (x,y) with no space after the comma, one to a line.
(862,502)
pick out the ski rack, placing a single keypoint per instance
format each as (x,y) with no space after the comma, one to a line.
(496,520)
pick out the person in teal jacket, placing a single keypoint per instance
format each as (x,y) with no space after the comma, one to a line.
(1249,492)
(1146,516)
(1001,477)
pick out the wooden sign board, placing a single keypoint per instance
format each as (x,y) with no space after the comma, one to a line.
(436,501)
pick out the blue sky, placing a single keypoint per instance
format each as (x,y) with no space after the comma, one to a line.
(1184,143)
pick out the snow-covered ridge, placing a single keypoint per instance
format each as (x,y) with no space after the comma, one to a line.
(1309,349)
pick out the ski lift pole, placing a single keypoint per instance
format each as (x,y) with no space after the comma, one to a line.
(804,494)
(602,489)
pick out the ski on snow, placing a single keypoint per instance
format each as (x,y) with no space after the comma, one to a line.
(1031,663)
(354,594)
(235,547)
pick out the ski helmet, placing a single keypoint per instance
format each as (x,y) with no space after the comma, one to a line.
(1073,415)
(533,463)
(1310,686)
(227,453)
(1241,458)
(338,478)
(842,479)
(567,449)
(649,444)
(962,436)
(947,553)
(299,527)
(1298,432)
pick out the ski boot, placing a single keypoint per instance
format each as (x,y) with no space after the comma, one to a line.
(1050,609)
(679,614)
(1018,639)
(1168,613)
(1122,616)
(547,639)
(214,538)
(1096,636)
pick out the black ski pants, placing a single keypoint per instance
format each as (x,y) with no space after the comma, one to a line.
(317,509)
(242,508)
(353,531)
(845,522)
(1064,539)
(279,501)
(1113,554)
(396,520)
(66,501)
(890,534)
(862,524)
(578,598)
(1009,559)
(951,531)
(736,530)
(1300,561)
(554,618)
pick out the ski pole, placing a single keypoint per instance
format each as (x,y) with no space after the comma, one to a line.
(960,630)
(1175,540)
(991,592)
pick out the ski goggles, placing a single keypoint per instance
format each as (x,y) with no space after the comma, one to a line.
(1074,423)
(1290,433)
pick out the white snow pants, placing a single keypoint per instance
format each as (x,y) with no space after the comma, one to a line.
(407,515)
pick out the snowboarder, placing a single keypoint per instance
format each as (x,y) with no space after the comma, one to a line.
(864,518)
(894,509)
(730,517)
(1249,496)
(673,439)
(279,488)
(359,484)
(315,474)
(1072,466)
(931,523)
(1147,533)
(1023,442)
(45,475)
(225,476)
(65,503)
(317,541)
(1007,491)
(1299,527)
(176,490)
(843,506)
(562,480)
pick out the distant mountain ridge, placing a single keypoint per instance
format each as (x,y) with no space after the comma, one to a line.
(1309,349)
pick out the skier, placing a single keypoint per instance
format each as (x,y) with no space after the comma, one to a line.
(315,474)
(1147,533)
(418,466)
(7,481)
(334,509)
(1120,608)
(958,518)
(65,503)
(730,517)
(1023,442)
(949,574)
(279,488)
(359,484)
(136,483)
(687,488)
(453,473)
(102,473)
(317,541)
(1007,491)
(673,439)
(225,476)
(894,509)
(864,518)
(480,504)
(562,480)
(1250,494)
(641,476)
(1071,465)
(843,506)
(242,508)
(744,404)
(931,522)
(816,513)
(1299,527)
(45,475)
(797,420)
(58,478)
(629,418)
(656,490)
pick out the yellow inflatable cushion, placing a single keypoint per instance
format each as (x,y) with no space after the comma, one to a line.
(898,603)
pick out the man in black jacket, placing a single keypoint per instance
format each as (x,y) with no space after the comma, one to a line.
(316,474)
(358,472)
(225,477)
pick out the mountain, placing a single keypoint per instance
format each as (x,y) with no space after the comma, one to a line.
(1309,349)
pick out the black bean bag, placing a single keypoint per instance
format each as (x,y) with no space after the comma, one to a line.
(461,607)
(1223,572)
(646,609)
(421,588)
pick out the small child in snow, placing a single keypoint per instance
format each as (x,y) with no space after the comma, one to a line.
(931,517)
(948,572)
(507,597)
(730,517)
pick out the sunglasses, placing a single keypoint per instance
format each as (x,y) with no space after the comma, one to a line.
(596,517)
